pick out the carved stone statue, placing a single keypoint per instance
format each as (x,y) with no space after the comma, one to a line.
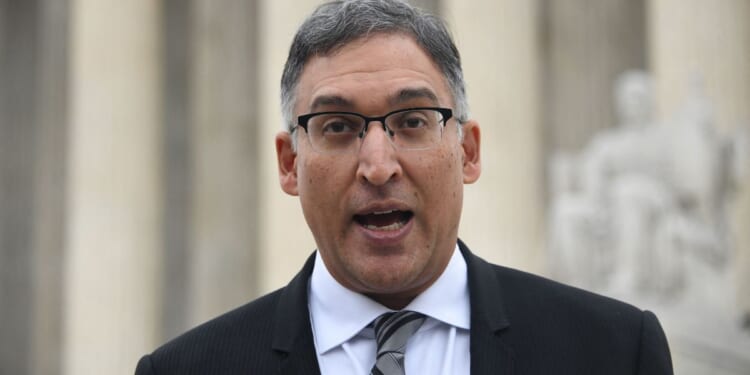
(644,201)
(640,214)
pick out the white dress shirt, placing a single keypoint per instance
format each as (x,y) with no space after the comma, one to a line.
(345,345)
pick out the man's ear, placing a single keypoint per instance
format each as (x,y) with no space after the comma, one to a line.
(472,166)
(287,160)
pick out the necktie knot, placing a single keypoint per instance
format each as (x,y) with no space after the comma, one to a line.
(392,331)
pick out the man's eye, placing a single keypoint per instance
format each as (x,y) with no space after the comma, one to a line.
(412,121)
(339,127)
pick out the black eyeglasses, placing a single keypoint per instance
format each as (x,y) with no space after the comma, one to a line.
(408,129)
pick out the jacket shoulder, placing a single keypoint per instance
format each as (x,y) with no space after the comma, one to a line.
(529,291)
(578,329)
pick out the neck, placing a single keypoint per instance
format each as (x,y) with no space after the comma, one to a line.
(392,302)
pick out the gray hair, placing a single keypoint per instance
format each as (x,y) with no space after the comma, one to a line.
(334,24)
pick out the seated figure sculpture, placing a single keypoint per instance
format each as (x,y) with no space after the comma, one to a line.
(641,207)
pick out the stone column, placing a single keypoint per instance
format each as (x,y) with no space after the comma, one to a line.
(503,213)
(285,238)
(223,136)
(587,44)
(113,234)
(18,43)
(176,193)
(3,13)
(47,242)
(710,39)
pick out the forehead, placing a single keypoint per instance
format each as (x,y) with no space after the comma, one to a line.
(372,72)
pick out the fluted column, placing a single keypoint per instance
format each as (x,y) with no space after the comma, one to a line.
(587,44)
(710,39)
(285,238)
(177,186)
(223,138)
(18,43)
(502,217)
(50,170)
(113,235)
(2,17)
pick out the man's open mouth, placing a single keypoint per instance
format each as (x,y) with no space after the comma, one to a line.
(385,220)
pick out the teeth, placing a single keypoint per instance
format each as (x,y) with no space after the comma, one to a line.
(382,212)
(394,226)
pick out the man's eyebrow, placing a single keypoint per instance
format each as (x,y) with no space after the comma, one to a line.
(404,95)
(330,100)
(413,93)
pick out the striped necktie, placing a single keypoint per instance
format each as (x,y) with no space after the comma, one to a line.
(392,331)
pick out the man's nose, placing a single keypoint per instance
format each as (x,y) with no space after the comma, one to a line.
(378,162)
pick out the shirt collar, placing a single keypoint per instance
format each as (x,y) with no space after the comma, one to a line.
(338,314)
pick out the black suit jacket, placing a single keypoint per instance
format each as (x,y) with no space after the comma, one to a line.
(520,324)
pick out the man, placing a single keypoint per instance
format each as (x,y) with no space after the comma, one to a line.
(378,149)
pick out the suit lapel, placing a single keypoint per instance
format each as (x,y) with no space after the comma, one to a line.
(489,353)
(292,338)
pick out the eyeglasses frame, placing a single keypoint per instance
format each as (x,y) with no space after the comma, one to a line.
(447,113)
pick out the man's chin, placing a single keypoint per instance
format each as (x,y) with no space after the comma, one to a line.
(388,275)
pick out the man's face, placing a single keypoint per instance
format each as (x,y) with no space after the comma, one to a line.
(385,220)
